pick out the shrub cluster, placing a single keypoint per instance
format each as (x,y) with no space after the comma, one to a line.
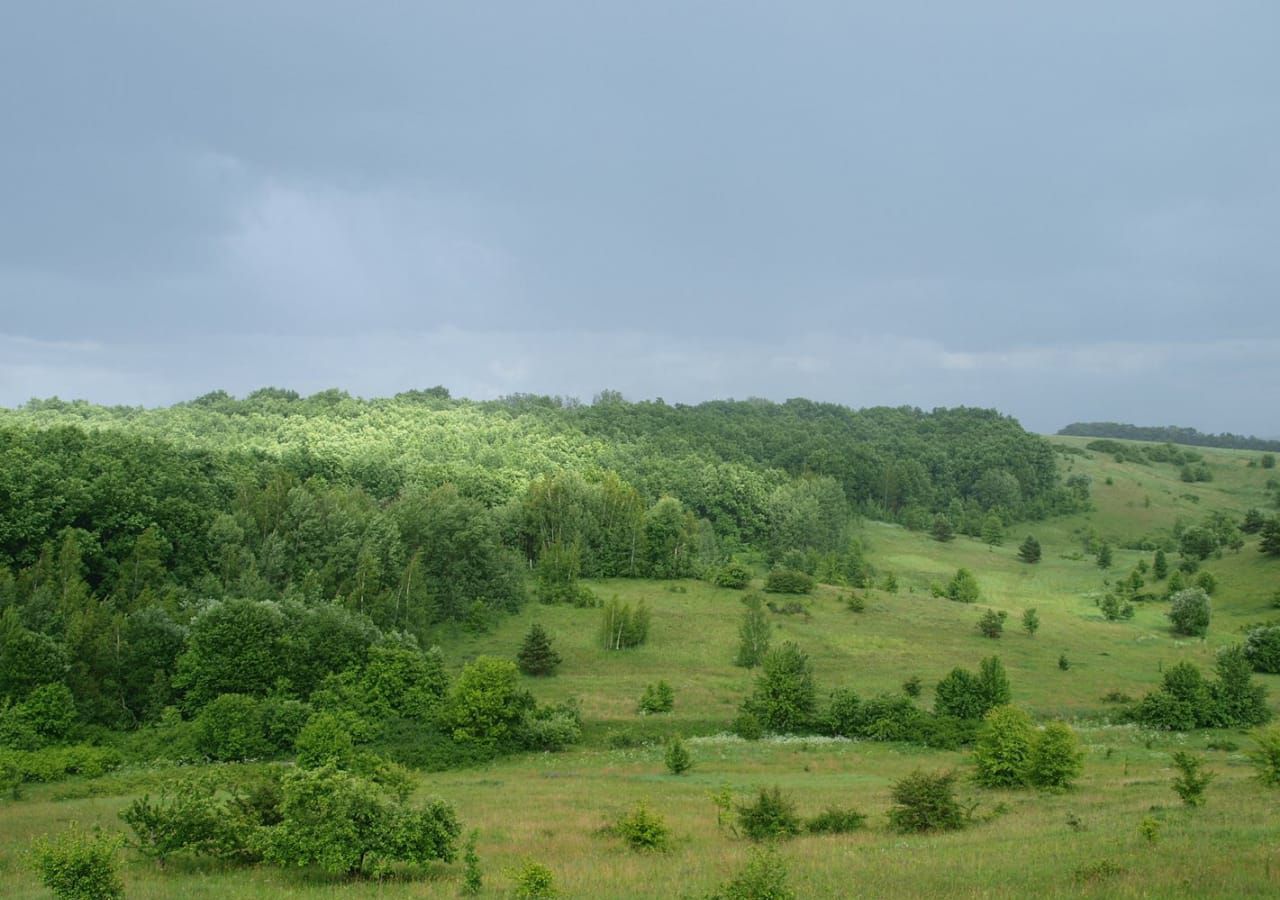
(1186,700)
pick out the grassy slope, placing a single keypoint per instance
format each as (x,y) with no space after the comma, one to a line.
(550,807)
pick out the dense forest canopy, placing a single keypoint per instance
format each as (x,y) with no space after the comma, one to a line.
(1172,434)
(119,525)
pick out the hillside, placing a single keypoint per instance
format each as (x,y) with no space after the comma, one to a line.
(551,807)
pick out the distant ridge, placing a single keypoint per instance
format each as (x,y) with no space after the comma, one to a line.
(1172,433)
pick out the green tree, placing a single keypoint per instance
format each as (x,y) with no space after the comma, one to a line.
(1056,758)
(785,697)
(1029,550)
(753,633)
(942,529)
(536,655)
(79,865)
(1104,556)
(1030,621)
(925,802)
(677,757)
(1160,565)
(1269,537)
(658,697)
(487,704)
(230,728)
(1189,611)
(1002,752)
(963,587)
(991,624)
(771,816)
(1192,777)
(346,825)
(992,530)
(1265,756)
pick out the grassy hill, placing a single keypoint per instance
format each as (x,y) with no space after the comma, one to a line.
(1086,842)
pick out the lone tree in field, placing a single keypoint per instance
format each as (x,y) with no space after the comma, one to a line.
(537,656)
(1030,622)
(1160,566)
(1104,556)
(1269,540)
(926,802)
(992,623)
(963,587)
(753,633)
(785,696)
(1029,550)
(1189,612)
(992,530)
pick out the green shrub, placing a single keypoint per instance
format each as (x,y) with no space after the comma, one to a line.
(925,801)
(764,877)
(753,633)
(912,686)
(326,741)
(1266,755)
(1262,648)
(230,728)
(487,706)
(788,581)
(79,865)
(771,816)
(732,575)
(51,764)
(622,627)
(534,881)
(747,726)
(991,623)
(657,698)
(345,825)
(834,820)
(677,757)
(552,728)
(46,716)
(1192,778)
(1003,750)
(785,696)
(642,831)
(1056,758)
(1189,611)
(188,815)
(472,879)
(855,603)
(963,587)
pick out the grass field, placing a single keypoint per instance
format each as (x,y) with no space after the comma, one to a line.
(1086,842)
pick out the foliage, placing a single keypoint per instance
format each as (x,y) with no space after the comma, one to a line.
(963,587)
(1265,756)
(1056,758)
(231,728)
(198,814)
(991,623)
(1030,621)
(472,879)
(912,686)
(770,816)
(764,877)
(1004,746)
(834,820)
(536,656)
(79,865)
(924,801)
(326,740)
(345,825)
(642,830)
(732,575)
(658,697)
(487,706)
(1029,550)
(534,881)
(967,696)
(784,699)
(677,757)
(788,581)
(1189,612)
(622,627)
(1192,777)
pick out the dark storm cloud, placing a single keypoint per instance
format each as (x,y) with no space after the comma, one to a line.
(1067,212)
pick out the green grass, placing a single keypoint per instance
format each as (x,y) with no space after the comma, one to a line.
(551,807)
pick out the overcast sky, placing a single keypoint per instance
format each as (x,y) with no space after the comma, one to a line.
(1065,211)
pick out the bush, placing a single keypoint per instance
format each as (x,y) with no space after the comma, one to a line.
(855,603)
(1262,648)
(189,815)
(1030,622)
(747,726)
(79,865)
(622,627)
(534,881)
(788,581)
(963,587)
(230,729)
(926,802)
(643,831)
(732,575)
(834,820)
(771,816)
(992,623)
(785,696)
(553,728)
(912,686)
(45,716)
(967,696)
(1192,778)
(326,741)
(344,824)
(764,877)
(472,880)
(536,656)
(56,763)
(1003,749)
(677,757)
(657,698)
(1056,758)
(1266,756)
(1189,612)
(487,706)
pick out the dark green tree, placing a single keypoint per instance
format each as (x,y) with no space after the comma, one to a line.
(785,697)
(1104,556)
(1160,565)
(753,633)
(536,655)
(942,529)
(1029,550)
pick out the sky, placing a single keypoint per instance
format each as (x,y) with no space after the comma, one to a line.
(1063,211)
